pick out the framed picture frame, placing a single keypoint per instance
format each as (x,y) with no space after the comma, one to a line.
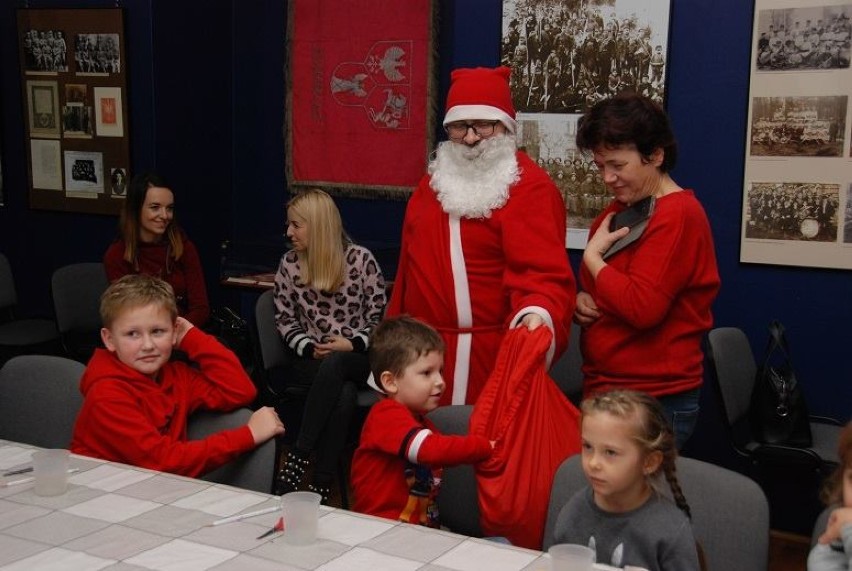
(43,108)
(564,58)
(797,195)
(360,115)
(73,68)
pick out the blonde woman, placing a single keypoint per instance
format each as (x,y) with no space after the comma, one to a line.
(329,294)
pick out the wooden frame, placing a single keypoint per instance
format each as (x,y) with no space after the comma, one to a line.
(74,83)
(563,61)
(797,187)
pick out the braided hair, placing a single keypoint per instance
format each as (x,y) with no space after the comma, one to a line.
(653,432)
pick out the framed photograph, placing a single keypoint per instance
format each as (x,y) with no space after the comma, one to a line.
(118,182)
(74,82)
(84,173)
(368,97)
(108,114)
(97,54)
(45,51)
(796,207)
(43,108)
(46,164)
(565,57)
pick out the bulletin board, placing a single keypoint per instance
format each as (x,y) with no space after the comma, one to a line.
(74,86)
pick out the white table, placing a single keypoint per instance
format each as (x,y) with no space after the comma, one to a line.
(120,517)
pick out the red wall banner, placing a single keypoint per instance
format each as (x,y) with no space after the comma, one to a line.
(360,114)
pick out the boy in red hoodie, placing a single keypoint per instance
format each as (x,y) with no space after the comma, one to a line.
(396,470)
(137,402)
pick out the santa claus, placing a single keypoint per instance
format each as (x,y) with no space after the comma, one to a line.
(483,242)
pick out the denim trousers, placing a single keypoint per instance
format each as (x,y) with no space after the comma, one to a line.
(682,412)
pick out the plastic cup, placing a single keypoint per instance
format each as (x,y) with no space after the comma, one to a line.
(300,511)
(570,557)
(50,469)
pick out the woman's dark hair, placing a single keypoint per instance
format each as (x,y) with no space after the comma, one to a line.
(128,225)
(628,119)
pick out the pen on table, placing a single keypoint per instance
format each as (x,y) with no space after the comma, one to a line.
(29,479)
(16,472)
(279,526)
(245,516)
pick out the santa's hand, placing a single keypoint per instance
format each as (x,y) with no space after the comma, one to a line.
(532,321)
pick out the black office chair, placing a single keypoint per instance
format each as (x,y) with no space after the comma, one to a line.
(21,336)
(273,360)
(458,500)
(733,369)
(39,399)
(253,470)
(790,476)
(77,290)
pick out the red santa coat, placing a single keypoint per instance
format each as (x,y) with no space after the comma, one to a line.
(471,279)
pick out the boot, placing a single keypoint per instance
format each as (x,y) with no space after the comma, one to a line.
(291,475)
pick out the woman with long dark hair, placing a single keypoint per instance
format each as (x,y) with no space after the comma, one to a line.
(151,242)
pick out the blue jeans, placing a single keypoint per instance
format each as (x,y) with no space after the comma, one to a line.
(682,412)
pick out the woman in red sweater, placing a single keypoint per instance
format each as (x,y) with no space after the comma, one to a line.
(151,242)
(649,273)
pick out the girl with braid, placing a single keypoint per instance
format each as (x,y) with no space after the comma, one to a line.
(621,515)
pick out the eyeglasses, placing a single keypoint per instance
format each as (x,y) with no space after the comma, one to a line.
(457,131)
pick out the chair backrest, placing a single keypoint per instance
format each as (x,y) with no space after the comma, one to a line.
(733,368)
(272,351)
(77,290)
(253,470)
(8,295)
(567,371)
(730,516)
(39,399)
(730,513)
(458,499)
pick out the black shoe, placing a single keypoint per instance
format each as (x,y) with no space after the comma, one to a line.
(291,475)
(323,491)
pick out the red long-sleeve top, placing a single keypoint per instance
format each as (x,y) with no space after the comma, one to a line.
(185,275)
(396,470)
(655,297)
(131,418)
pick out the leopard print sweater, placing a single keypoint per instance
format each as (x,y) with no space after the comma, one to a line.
(305,315)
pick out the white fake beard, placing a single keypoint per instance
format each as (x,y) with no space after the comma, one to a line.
(471,182)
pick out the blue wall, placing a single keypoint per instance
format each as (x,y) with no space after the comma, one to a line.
(207,109)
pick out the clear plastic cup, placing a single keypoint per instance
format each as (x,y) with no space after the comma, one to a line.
(570,557)
(50,469)
(300,511)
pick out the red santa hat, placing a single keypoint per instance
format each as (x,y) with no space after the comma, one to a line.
(481,93)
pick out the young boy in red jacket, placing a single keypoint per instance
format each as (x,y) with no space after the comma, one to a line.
(396,470)
(136,402)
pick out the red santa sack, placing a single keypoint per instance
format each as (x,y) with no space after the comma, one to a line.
(535,428)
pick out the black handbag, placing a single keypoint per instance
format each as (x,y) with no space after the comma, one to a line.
(232,331)
(778,411)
